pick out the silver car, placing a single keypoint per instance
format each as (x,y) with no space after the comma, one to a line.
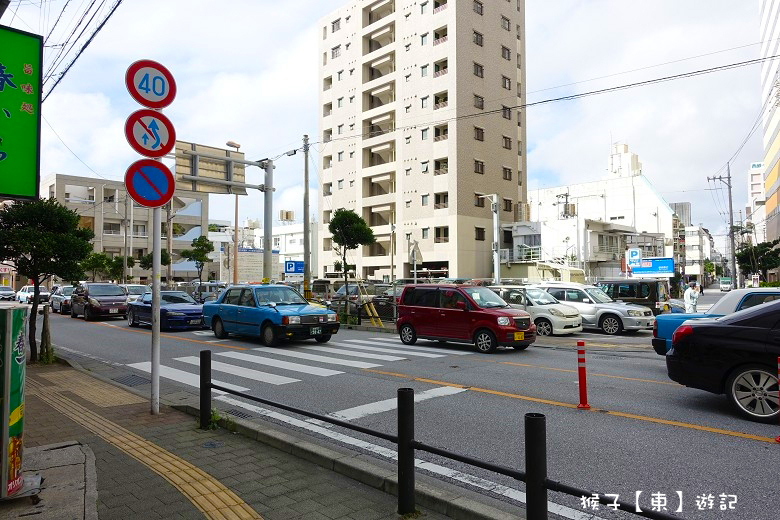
(598,310)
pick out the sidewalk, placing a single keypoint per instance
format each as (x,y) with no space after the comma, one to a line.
(165,467)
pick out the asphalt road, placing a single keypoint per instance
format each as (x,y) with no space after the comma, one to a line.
(643,432)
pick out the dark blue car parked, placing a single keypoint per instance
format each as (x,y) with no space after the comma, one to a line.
(178,310)
(271,312)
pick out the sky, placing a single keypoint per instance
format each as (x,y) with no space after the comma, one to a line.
(247,72)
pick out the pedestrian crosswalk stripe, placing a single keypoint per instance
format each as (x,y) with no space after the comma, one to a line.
(386,405)
(397,342)
(387,350)
(295,367)
(313,357)
(183,377)
(248,373)
(355,354)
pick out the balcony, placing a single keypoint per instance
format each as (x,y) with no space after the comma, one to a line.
(379,39)
(521,253)
(440,72)
(379,97)
(440,171)
(439,6)
(440,133)
(379,68)
(441,40)
(441,240)
(440,100)
(378,11)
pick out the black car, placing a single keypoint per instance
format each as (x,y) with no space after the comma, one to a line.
(178,310)
(734,355)
(98,299)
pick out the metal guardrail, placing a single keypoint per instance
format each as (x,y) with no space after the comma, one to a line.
(535,475)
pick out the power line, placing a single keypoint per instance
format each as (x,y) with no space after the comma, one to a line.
(71,151)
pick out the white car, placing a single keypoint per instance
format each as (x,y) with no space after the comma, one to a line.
(134,291)
(26,293)
(548,314)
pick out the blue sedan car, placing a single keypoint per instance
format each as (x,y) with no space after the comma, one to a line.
(178,310)
(271,312)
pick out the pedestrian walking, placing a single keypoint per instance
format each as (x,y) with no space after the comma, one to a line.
(691,297)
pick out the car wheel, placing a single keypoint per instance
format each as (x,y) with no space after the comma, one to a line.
(408,335)
(219,329)
(323,338)
(131,321)
(611,324)
(73,312)
(752,389)
(269,335)
(87,314)
(543,327)
(485,341)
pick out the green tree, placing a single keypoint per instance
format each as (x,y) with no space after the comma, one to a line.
(178,229)
(42,238)
(116,266)
(709,267)
(96,263)
(759,258)
(201,247)
(213,228)
(349,231)
(146,261)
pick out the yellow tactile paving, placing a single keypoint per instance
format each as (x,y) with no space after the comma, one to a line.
(205,492)
(92,390)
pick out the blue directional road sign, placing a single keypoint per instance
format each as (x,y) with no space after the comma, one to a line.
(293,267)
(150,183)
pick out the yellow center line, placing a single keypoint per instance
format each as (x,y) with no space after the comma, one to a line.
(571,371)
(170,336)
(625,415)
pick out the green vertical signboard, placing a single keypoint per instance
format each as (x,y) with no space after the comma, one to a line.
(13,342)
(21,56)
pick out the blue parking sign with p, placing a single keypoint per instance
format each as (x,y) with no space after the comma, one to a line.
(293,267)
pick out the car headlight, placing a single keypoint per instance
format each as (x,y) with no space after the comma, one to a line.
(332,317)
(294,320)
(169,313)
(503,320)
(556,312)
(636,314)
(94,302)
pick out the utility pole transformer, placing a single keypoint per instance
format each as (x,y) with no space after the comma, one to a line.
(306,223)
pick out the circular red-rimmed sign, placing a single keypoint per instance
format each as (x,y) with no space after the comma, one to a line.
(150,84)
(150,183)
(150,133)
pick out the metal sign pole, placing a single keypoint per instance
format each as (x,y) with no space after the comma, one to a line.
(156,247)
(268,219)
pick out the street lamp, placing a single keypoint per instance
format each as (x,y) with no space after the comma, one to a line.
(235,145)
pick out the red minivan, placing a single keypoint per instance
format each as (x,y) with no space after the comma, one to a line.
(464,314)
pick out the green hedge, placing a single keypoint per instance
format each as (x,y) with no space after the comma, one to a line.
(770,284)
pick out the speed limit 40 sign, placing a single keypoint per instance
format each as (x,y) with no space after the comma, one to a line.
(151,84)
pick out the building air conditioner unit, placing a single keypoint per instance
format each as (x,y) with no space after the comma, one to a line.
(570,210)
(286,215)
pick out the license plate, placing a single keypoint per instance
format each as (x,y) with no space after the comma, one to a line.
(113,311)
(519,336)
(194,322)
(315,331)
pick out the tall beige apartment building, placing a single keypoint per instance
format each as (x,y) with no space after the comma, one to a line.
(420,117)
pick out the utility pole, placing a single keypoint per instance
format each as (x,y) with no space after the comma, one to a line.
(268,218)
(235,250)
(727,182)
(496,243)
(306,223)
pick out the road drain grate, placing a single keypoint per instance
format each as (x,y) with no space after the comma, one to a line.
(132,380)
(239,413)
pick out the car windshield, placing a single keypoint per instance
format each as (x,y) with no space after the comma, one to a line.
(484,297)
(540,297)
(106,290)
(137,289)
(597,295)
(67,291)
(279,296)
(176,297)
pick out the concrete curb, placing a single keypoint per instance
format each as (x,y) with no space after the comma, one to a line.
(434,494)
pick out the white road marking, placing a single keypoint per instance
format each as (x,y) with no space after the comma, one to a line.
(466,478)
(350,414)
(314,357)
(255,375)
(355,354)
(202,332)
(387,350)
(183,377)
(295,367)
(397,343)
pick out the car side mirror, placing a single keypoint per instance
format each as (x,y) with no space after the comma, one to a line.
(586,300)
(461,306)
(272,304)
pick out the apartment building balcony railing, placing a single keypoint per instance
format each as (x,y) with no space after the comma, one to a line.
(111,232)
(440,40)
(610,249)
(439,9)
(521,254)
(440,72)
(441,205)
(441,240)
(439,105)
(440,137)
(327,193)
